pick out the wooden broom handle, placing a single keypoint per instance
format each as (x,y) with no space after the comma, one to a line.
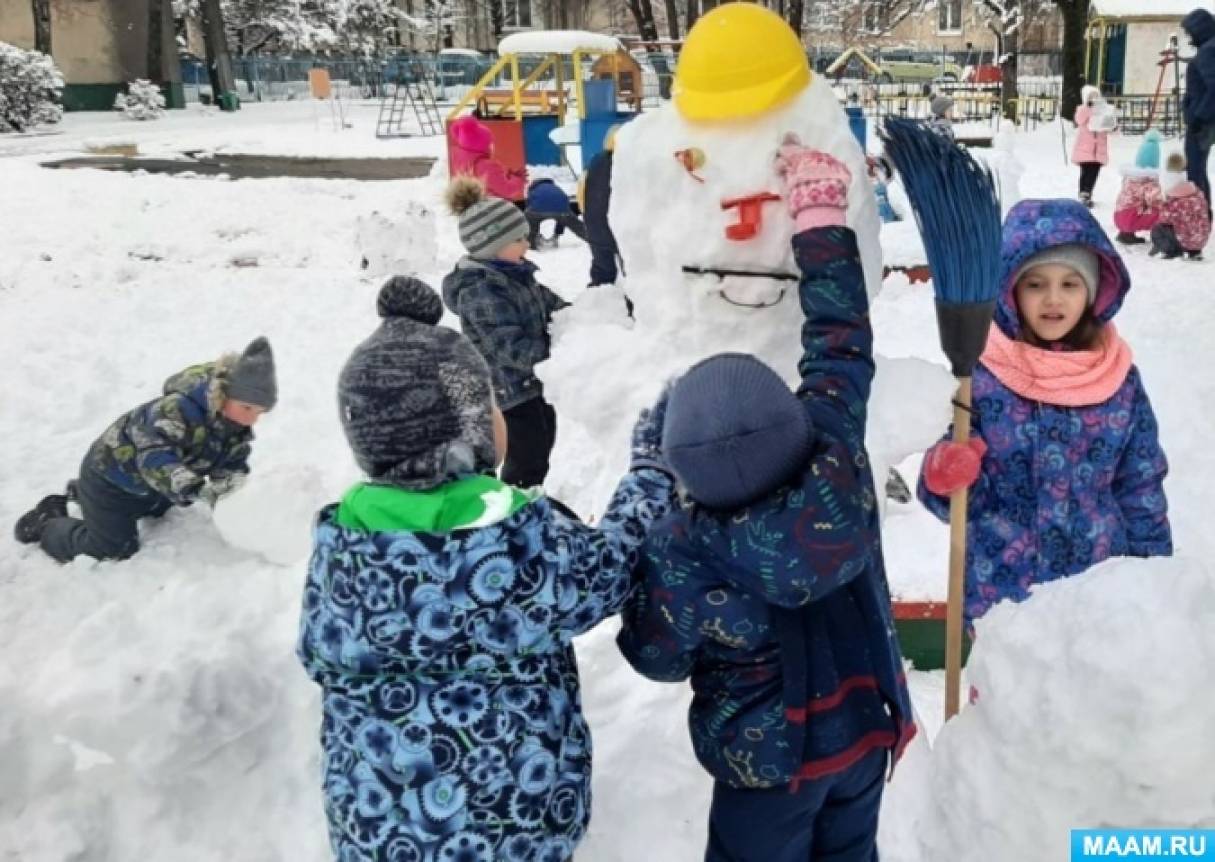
(957,562)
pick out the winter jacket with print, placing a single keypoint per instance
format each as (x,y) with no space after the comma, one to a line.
(1060,488)
(452,726)
(506,313)
(1139,201)
(1185,209)
(780,612)
(171,445)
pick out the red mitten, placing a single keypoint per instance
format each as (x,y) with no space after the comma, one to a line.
(816,185)
(950,466)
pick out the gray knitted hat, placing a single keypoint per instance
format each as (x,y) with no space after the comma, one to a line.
(1081,258)
(734,431)
(487,224)
(939,105)
(252,378)
(415,398)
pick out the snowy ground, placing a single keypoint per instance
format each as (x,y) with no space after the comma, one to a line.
(154,709)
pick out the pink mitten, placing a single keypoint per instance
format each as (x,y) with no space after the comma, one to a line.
(816,185)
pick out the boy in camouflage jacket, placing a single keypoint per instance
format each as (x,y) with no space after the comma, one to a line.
(192,443)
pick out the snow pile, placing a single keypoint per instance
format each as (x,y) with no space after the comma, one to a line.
(155,710)
(398,242)
(142,101)
(30,85)
(272,514)
(1094,711)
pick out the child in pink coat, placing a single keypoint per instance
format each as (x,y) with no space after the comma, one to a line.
(1095,119)
(472,146)
(1185,224)
(1140,201)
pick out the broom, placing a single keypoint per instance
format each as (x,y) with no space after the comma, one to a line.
(957,211)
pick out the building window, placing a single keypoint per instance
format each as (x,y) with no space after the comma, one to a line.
(874,16)
(824,15)
(949,16)
(519,13)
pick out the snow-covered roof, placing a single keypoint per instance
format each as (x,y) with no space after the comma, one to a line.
(1147,8)
(556,42)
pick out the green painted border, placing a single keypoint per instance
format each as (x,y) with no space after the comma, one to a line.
(923,643)
(100,97)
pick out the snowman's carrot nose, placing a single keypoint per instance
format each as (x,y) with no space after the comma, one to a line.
(750,215)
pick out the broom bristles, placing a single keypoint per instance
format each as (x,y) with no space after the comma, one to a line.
(956,209)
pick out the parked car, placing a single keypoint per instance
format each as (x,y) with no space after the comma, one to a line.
(901,64)
(984,74)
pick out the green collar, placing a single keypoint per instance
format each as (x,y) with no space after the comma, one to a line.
(464,504)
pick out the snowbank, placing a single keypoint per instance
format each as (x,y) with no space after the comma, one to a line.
(1094,711)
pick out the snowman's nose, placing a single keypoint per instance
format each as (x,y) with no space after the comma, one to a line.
(750,215)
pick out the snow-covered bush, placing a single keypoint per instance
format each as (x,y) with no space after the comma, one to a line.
(29,89)
(142,101)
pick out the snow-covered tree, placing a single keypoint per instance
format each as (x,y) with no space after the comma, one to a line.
(30,86)
(142,101)
(267,26)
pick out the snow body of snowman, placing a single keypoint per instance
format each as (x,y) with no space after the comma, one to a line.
(702,279)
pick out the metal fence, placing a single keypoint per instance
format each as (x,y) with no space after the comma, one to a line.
(270,79)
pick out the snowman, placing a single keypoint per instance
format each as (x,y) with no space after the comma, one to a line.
(706,242)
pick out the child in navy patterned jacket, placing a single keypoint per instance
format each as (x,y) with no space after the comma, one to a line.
(768,587)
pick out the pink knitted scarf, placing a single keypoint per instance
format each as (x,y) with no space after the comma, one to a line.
(1068,378)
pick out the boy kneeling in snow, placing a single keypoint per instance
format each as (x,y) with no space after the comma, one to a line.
(440,607)
(768,587)
(192,443)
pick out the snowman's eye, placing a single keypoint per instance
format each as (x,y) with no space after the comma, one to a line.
(692,159)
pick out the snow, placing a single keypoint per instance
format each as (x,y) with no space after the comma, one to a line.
(1093,710)
(153,708)
(557,42)
(1139,9)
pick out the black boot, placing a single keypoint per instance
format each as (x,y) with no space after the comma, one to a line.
(30,525)
(1193,255)
(1130,239)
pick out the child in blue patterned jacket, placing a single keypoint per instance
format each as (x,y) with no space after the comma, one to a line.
(768,586)
(440,606)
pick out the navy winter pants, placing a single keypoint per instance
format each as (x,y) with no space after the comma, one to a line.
(1197,153)
(833,819)
(110,529)
(531,432)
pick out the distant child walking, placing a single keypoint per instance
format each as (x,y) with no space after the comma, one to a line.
(1094,119)
(941,121)
(505,312)
(1140,200)
(440,606)
(1065,467)
(767,587)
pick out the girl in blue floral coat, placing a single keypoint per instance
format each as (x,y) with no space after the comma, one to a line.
(439,608)
(1064,468)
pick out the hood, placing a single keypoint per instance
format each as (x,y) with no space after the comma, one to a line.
(1033,226)
(471,136)
(1200,25)
(205,383)
(782,554)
